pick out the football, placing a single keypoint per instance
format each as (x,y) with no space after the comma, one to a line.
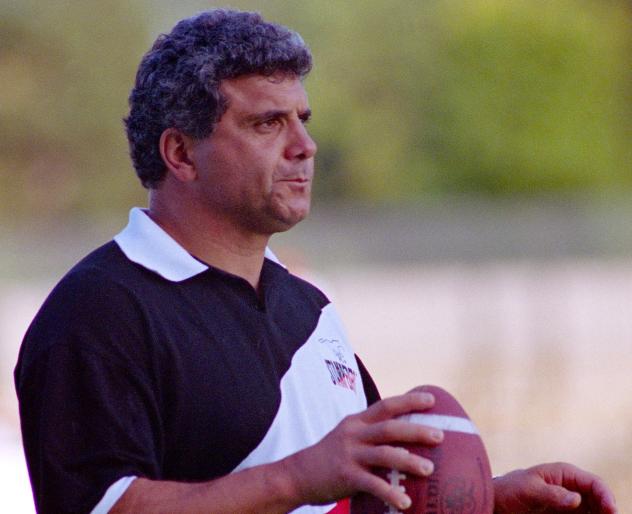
(461,482)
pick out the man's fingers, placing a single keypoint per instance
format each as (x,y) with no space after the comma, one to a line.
(397,406)
(585,482)
(594,490)
(402,431)
(386,492)
(392,457)
(557,497)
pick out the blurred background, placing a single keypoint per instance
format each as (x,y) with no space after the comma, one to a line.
(472,215)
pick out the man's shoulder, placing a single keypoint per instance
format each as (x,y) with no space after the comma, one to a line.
(107,259)
(100,285)
(103,269)
(89,301)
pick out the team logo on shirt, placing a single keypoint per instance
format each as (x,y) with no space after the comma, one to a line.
(341,375)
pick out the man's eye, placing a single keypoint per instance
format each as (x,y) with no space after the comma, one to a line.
(270,123)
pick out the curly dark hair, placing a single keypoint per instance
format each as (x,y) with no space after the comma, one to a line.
(177,83)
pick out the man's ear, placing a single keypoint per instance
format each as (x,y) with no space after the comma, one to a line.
(175,149)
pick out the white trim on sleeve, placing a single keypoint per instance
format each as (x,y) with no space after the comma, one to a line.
(112,495)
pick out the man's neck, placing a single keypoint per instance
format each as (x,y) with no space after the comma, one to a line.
(214,241)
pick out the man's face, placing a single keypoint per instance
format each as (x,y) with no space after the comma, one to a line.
(256,168)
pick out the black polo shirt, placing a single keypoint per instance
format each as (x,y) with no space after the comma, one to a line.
(144,361)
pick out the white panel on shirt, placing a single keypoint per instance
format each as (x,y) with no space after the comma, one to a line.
(322,386)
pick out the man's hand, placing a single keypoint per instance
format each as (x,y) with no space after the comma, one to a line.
(340,464)
(550,489)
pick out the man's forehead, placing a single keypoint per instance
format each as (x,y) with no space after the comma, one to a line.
(265,92)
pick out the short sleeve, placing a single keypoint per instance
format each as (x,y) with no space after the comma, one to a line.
(88,409)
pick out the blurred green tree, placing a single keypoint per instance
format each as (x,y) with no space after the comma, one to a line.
(68,67)
(474,96)
(533,97)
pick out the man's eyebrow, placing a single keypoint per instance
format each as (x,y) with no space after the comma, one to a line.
(276,113)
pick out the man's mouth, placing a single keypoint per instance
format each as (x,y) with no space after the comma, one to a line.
(295,180)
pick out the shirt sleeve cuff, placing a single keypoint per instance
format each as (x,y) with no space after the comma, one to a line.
(112,495)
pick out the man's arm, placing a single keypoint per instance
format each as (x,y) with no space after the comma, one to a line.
(340,465)
(336,467)
(550,489)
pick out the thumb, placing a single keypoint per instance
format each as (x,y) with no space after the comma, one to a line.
(557,497)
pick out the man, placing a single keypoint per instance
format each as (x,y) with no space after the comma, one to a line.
(180,368)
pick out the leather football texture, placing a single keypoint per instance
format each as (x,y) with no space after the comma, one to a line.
(461,482)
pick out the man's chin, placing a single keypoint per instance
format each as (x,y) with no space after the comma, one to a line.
(288,223)
(290,217)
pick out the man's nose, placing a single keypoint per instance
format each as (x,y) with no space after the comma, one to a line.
(300,144)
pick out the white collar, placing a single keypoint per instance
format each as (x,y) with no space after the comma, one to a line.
(144,242)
